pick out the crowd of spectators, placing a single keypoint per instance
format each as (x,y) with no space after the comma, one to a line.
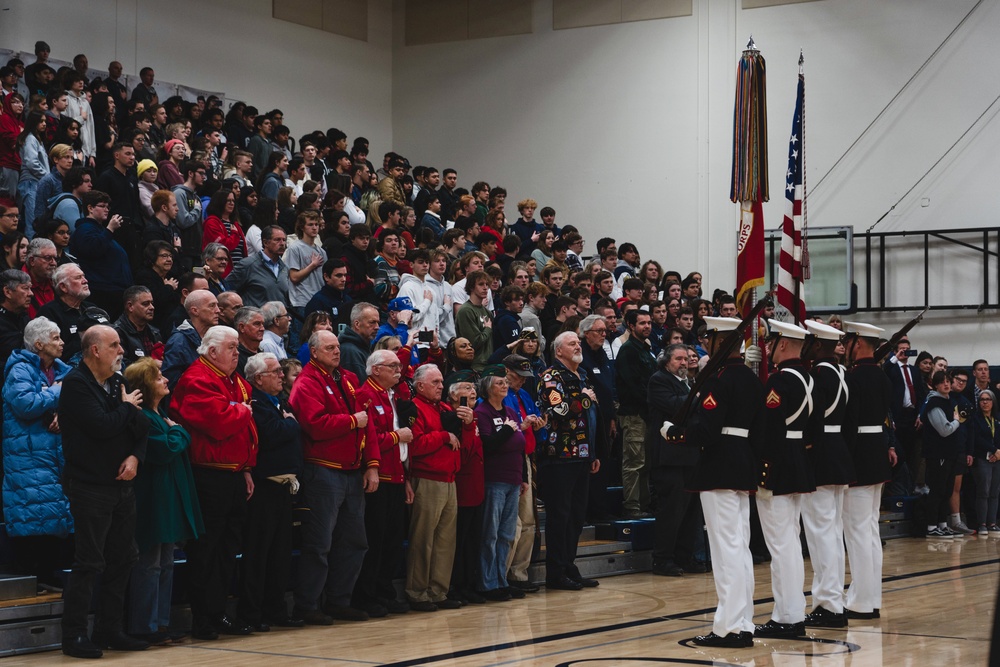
(255,322)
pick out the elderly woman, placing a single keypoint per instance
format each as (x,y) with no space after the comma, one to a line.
(35,508)
(315,321)
(986,468)
(166,506)
(503,461)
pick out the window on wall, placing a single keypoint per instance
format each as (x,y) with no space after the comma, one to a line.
(583,13)
(348,18)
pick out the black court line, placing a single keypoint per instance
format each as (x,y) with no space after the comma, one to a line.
(465,653)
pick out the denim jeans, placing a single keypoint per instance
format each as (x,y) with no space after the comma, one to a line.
(987,490)
(499,527)
(26,189)
(151,587)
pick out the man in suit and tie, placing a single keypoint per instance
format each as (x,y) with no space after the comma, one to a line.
(908,394)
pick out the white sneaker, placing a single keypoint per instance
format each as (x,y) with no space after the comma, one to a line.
(960,528)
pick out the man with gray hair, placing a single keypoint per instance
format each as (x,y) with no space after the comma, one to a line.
(40,263)
(356,341)
(566,397)
(104,439)
(267,541)
(212,402)
(16,287)
(249,324)
(678,520)
(70,309)
(276,325)
(181,349)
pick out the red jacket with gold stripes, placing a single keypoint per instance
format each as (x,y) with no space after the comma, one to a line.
(215,410)
(375,400)
(325,405)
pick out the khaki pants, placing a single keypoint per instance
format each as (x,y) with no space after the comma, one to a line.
(524,537)
(432,540)
(635,472)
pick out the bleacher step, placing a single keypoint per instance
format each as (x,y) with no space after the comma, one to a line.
(17,586)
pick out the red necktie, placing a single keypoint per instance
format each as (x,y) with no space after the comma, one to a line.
(909,384)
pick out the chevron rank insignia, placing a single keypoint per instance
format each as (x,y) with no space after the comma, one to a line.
(709,403)
(773,399)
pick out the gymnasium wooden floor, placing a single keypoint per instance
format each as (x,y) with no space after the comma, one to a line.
(937,611)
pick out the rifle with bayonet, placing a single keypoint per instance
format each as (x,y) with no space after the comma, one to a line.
(885,348)
(731,342)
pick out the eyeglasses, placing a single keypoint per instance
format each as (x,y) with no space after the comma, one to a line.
(48,258)
(13,216)
(392,366)
(165,255)
(603,332)
(283,317)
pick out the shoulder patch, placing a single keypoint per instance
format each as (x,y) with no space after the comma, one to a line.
(709,403)
(773,399)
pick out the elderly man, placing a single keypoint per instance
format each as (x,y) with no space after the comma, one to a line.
(104,439)
(181,349)
(70,309)
(263,276)
(212,402)
(434,460)
(229,303)
(357,339)
(276,325)
(566,398)
(138,336)
(391,413)
(249,325)
(267,540)
(671,464)
(16,286)
(342,462)
(39,264)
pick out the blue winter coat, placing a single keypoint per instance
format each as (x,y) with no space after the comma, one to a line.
(33,498)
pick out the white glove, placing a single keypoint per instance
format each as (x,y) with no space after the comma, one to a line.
(665,429)
(753,354)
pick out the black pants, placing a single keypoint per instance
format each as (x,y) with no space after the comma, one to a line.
(677,526)
(563,486)
(468,532)
(267,553)
(212,557)
(940,479)
(104,520)
(385,522)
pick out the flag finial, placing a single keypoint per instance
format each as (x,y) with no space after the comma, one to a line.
(801,58)
(750,45)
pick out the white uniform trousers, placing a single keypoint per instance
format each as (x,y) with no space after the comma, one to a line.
(779,521)
(864,547)
(727,521)
(823,518)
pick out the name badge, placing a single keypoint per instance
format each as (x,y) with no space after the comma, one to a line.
(140,353)
(72,328)
(497,421)
(596,371)
(334,311)
(379,409)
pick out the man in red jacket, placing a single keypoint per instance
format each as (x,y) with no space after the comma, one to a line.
(434,460)
(385,399)
(212,402)
(341,465)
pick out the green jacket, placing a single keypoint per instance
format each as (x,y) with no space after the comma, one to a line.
(166,503)
(471,323)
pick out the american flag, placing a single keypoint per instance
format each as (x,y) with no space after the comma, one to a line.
(790,262)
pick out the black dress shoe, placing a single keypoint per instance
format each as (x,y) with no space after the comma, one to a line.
(774,629)
(81,647)
(496,595)
(287,622)
(260,627)
(587,583)
(667,570)
(229,626)
(423,605)
(397,606)
(824,618)
(375,610)
(473,597)
(312,616)
(119,641)
(695,567)
(563,584)
(448,603)
(205,632)
(159,638)
(344,613)
(515,593)
(864,615)
(732,640)
(525,586)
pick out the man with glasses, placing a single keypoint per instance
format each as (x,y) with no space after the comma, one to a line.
(263,276)
(39,264)
(600,368)
(9,218)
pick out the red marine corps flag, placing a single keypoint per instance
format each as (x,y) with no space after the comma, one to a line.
(791,269)
(749,182)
